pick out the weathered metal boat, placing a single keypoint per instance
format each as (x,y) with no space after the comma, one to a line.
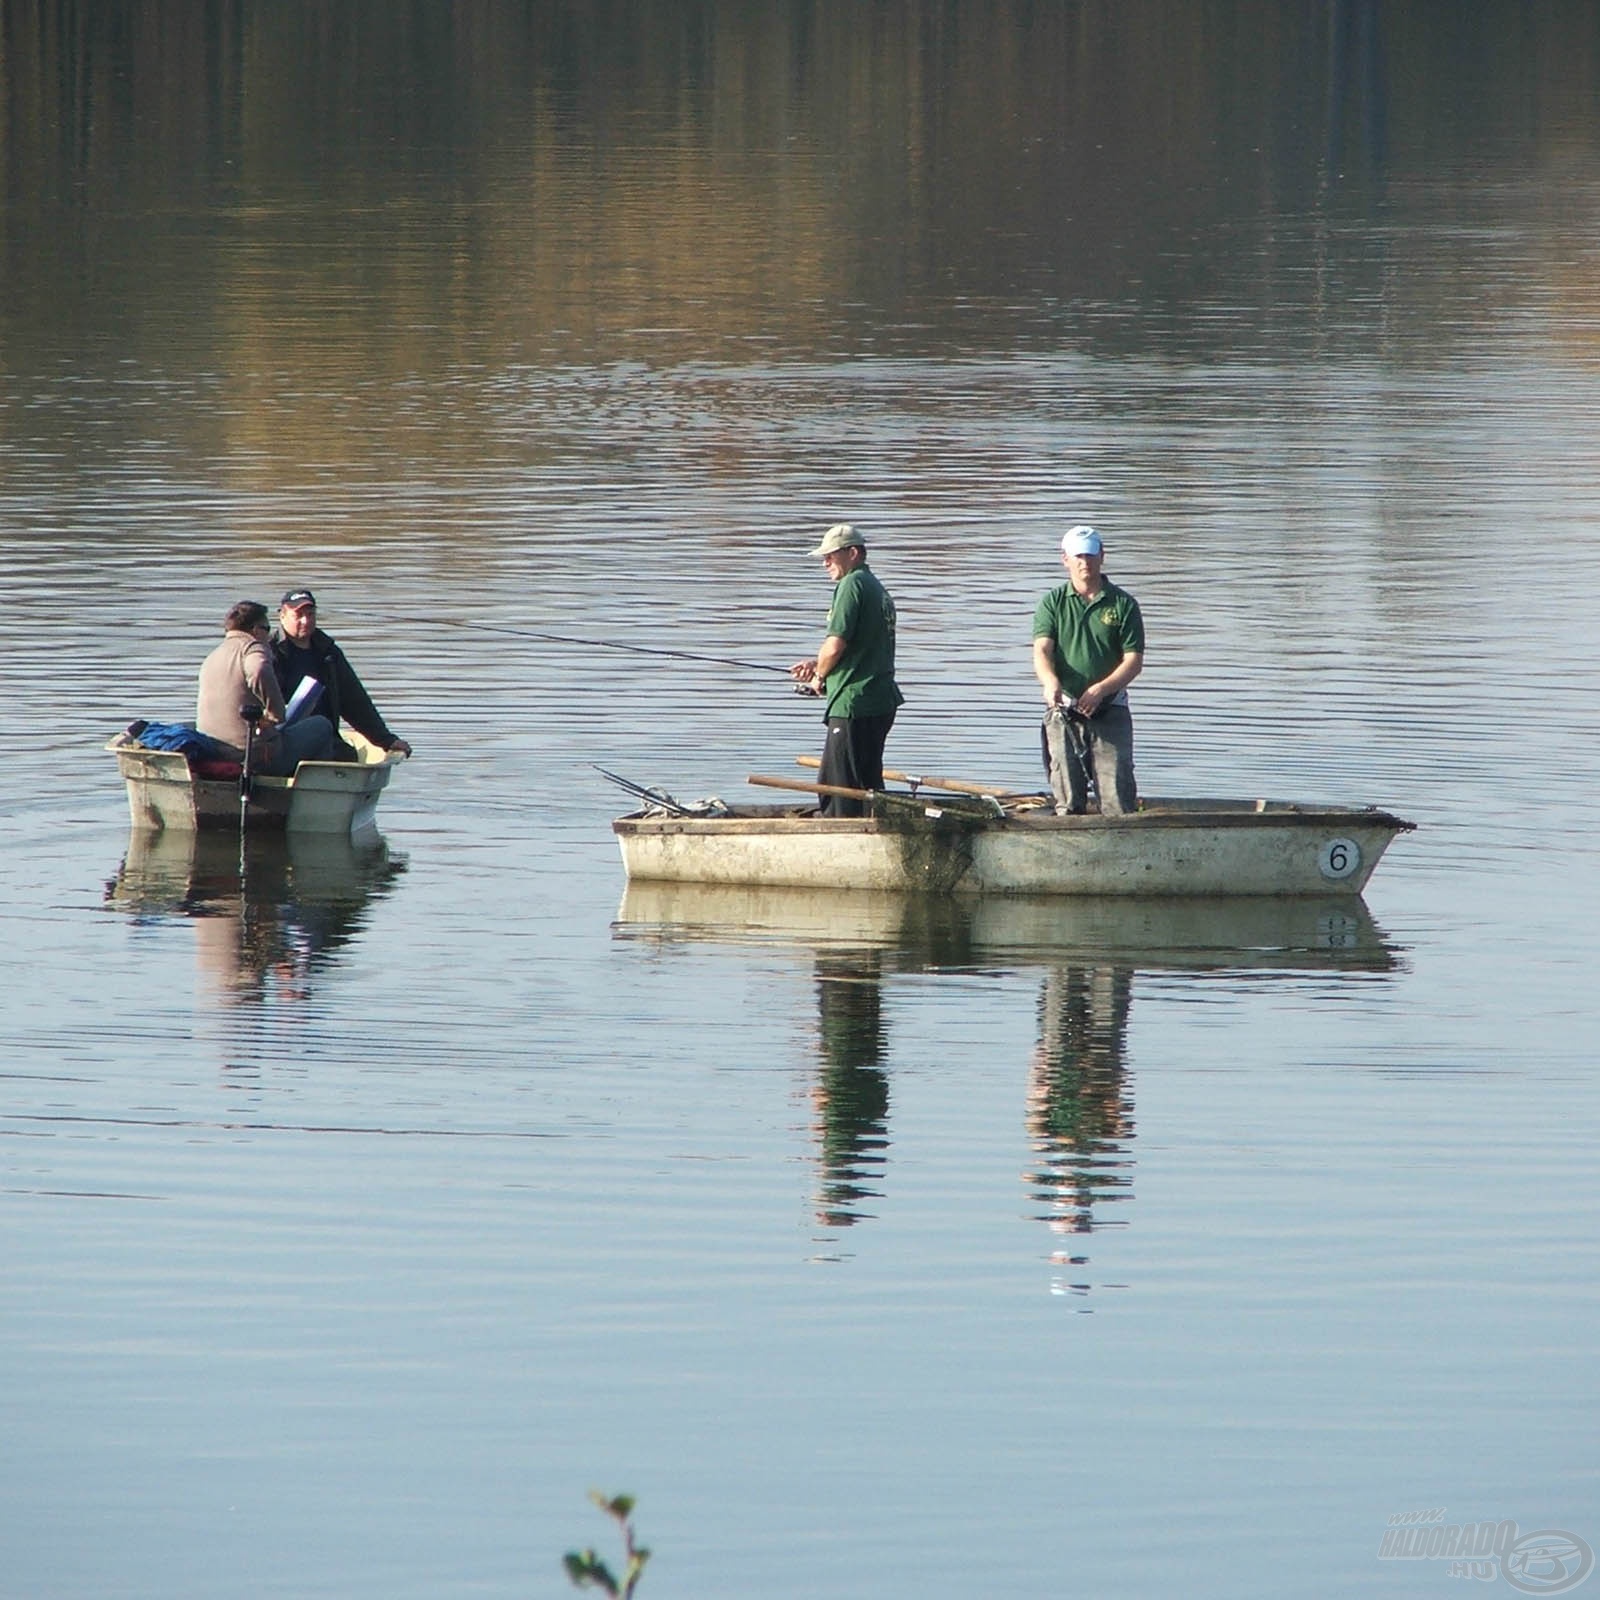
(337,797)
(1013,845)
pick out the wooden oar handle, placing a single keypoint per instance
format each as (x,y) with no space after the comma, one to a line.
(951,785)
(810,788)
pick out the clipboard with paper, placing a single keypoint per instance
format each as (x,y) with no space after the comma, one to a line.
(305,699)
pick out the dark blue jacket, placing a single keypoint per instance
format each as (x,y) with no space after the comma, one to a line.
(343,697)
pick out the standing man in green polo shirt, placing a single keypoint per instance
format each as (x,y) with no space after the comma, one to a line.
(854,669)
(1088,646)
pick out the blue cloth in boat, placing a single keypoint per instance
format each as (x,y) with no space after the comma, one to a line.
(182,737)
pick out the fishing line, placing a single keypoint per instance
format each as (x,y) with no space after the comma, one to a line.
(598,644)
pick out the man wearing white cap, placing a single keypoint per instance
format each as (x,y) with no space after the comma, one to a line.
(1088,646)
(854,669)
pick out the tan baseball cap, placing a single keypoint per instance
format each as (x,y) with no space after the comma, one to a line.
(839,537)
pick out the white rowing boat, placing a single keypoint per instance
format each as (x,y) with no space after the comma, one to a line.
(337,797)
(1167,847)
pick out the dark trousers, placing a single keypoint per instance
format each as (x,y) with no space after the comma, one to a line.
(852,758)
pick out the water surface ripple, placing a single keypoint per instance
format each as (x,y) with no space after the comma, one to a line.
(366,1204)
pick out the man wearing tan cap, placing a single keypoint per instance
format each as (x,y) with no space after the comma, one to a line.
(1088,646)
(854,670)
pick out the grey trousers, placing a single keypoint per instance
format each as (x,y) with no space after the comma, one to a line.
(1079,751)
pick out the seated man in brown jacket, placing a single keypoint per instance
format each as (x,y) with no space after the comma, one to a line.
(237,676)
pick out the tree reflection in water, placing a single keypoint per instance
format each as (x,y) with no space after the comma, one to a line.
(852,1090)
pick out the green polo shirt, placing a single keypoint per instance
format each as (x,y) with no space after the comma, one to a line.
(862,614)
(1091,636)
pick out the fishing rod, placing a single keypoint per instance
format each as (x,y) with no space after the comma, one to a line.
(658,797)
(600,644)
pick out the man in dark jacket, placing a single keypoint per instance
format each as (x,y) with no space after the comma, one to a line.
(300,649)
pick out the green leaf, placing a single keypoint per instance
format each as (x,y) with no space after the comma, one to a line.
(585,1568)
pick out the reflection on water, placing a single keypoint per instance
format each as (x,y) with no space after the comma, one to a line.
(1078,1101)
(514,317)
(929,933)
(1080,1108)
(852,1090)
(268,911)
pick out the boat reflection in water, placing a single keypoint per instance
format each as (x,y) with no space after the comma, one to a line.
(1079,1105)
(268,912)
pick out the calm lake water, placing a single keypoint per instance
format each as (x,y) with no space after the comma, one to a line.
(366,1206)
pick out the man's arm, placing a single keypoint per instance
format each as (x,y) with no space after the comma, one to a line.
(263,682)
(356,707)
(1044,669)
(828,657)
(831,654)
(1120,676)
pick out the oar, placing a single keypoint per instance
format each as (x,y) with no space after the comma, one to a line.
(987,791)
(810,788)
(872,796)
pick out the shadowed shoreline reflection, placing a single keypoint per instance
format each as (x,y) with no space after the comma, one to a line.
(268,915)
(1078,1102)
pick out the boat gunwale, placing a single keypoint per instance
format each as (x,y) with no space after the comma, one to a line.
(1278,814)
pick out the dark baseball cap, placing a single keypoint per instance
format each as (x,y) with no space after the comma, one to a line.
(297,598)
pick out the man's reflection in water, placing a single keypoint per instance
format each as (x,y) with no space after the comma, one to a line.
(1080,1114)
(266,917)
(852,1092)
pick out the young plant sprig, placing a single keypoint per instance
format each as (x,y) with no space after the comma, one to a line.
(586,1569)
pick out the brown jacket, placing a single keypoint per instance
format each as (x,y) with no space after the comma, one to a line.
(237,671)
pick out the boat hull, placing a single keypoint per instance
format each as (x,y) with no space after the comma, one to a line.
(330,797)
(1191,847)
